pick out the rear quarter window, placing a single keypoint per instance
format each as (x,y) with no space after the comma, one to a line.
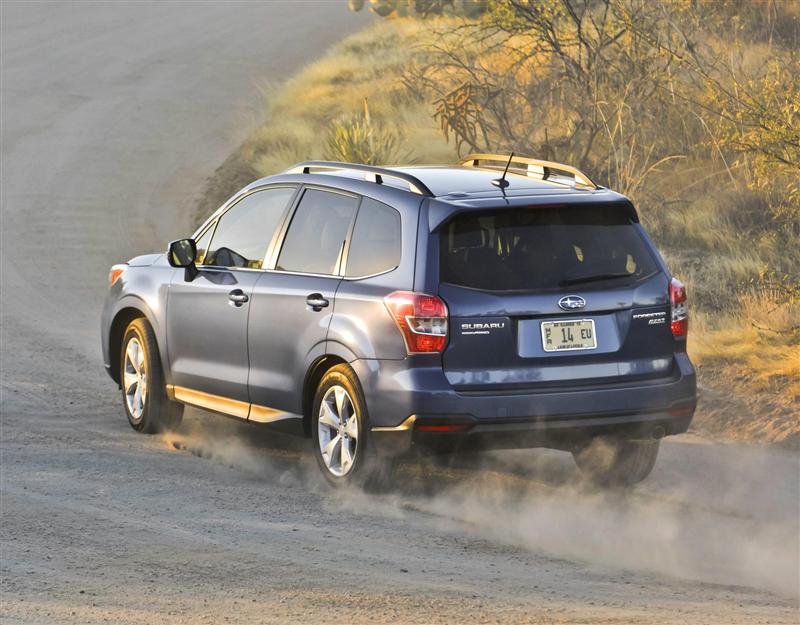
(375,244)
(543,248)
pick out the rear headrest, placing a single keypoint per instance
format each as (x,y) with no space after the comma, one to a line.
(467,232)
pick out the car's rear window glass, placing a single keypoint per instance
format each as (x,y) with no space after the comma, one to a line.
(317,232)
(543,248)
(244,232)
(375,245)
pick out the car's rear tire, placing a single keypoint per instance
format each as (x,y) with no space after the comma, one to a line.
(340,431)
(616,462)
(144,394)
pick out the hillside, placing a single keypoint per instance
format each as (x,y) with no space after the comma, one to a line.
(716,185)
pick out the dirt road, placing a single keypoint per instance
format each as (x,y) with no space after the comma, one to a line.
(112,117)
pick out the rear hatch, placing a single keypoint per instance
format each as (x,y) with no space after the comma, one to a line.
(553,296)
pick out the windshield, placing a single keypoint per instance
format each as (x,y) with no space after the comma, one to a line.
(543,248)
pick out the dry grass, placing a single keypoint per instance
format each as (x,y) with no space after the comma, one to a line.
(748,361)
(716,234)
(305,114)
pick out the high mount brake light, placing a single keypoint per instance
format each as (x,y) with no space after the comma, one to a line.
(421,318)
(680,309)
(116,273)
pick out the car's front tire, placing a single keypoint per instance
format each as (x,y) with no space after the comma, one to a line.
(340,430)
(616,462)
(144,395)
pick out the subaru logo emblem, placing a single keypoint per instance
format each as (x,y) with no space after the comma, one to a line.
(571,302)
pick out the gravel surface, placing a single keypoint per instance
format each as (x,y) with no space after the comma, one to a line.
(113,115)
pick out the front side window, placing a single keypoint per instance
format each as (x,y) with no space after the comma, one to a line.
(202,243)
(317,233)
(244,232)
(375,246)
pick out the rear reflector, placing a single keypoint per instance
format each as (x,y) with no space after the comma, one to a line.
(680,309)
(452,427)
(686,410)
(421,318)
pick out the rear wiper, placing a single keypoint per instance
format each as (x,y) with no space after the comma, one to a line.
(593,278)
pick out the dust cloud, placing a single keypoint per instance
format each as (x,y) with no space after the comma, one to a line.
(673,536)
(734,524)
(244,447)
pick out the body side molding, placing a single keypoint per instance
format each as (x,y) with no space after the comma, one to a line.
(224,405)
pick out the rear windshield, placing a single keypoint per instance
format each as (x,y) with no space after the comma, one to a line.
(543,248)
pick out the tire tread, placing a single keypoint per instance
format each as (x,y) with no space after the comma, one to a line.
(160,412)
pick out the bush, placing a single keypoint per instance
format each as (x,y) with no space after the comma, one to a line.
(360,140)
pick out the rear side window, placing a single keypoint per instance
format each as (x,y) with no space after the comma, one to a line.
(317,233)
(244,232)
(375,245)
(543,248)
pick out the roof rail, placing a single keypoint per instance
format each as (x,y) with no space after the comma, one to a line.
(533,167)
(372,174)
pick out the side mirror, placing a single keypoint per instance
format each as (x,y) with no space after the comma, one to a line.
(182,253)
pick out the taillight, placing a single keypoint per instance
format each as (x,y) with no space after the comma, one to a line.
(680,309)
(421,318)
(115,273)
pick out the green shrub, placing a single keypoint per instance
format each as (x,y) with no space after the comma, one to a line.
(360,140)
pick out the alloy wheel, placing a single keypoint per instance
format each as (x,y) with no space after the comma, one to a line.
(134,380)
(338,431)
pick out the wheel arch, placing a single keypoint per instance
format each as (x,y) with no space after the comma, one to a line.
(122,318)
(314,374)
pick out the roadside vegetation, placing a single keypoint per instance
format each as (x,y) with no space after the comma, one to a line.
(690,108)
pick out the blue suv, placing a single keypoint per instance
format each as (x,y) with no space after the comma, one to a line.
(504,302)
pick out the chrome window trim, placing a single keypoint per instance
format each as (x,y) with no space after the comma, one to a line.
(218,268)
(344,251)
(372,275)
(300,273)
(212,227)
(296,273)
(274,247)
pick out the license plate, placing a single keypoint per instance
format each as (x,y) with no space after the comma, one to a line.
(564,336)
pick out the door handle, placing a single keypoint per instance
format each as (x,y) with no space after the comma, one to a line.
(237,298)
(317,302)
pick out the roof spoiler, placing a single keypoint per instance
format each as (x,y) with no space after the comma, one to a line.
(371,173)
(532,167)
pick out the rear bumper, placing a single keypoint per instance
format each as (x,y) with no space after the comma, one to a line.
(402,399)
(564,433)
